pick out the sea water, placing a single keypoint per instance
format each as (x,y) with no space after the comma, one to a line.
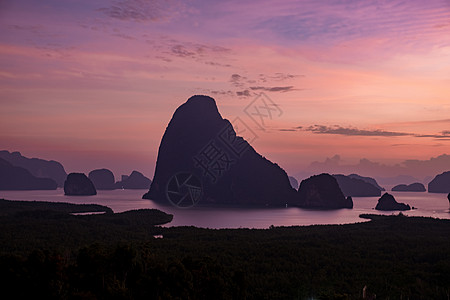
(426,204)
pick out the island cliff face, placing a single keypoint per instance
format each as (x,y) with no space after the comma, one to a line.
(17,178)
(78,184)
(323,192)
(200,142)
(440,183)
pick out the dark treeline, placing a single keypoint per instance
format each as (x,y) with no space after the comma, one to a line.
(115,256)
(8,207)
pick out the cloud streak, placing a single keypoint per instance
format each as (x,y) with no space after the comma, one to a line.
(248,88)
(282,89)
(353,131)
(142,11)
(350,131)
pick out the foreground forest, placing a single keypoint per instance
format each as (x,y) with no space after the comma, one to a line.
(47,252)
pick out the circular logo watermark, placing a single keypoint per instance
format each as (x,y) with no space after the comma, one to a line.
(184,190)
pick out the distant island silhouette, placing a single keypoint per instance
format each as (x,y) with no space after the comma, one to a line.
(135,180)
(37,167)
(413,187)
(103,179)
(354,186)
(18,178)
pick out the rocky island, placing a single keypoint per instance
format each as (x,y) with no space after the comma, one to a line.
(323,192)
(388,202)
(135,180)
(103,179)
(78,184)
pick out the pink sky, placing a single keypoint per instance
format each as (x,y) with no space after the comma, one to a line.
(93,84)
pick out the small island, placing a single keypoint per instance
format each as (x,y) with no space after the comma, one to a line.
(322,192)
(388,202)
(78,184)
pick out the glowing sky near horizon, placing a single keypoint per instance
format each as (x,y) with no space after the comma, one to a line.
(93,84)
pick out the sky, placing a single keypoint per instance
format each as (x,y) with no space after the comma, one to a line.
(93,84)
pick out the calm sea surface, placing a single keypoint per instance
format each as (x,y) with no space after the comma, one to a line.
(427,204)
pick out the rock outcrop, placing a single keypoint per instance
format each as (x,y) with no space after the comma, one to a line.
(37,167)
(356,187)
(440,183)
(17,178)
(78,184)
(293,182)
(387,202)
(413,187)
(323,192)
(136,180)
(199,142)
(103,179)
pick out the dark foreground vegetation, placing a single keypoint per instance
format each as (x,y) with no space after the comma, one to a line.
(52,254)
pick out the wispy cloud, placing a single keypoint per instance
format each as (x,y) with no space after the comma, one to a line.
(282,89)
(443,135)
(353,131)
(238,80)
(248,88)
(350,131)
(244,93)
(181,51)
(141,11)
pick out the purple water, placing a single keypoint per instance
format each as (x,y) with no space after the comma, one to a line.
(427,204)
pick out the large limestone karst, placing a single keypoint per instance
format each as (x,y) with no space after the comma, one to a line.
(200,143)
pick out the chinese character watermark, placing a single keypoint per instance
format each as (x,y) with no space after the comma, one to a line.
(262,109)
